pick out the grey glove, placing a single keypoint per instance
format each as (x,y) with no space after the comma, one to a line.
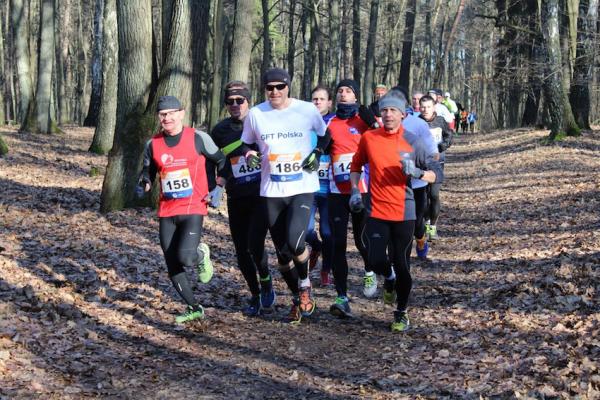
(356,203)
(409,168)
(252,160)
(215,196)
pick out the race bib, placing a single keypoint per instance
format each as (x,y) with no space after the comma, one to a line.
(324,170)
(341,167)
(242,173)
(285,167)
(176,184)
(436,134)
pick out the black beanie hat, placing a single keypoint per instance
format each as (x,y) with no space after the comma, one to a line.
(168,103)
(351,84)
(276,75)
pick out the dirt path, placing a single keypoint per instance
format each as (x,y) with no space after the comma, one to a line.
(507,307)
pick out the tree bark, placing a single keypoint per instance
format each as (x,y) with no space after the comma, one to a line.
(215,101)
(407,43)
(334,49)
(200,28)
(368,85)
(583,69)
(309,42)
(94,107)
(105,129)
(356,72)
(3,147)
(291,46)
(266,59)
(133,125)
(38,116)
(241,46)
(20,24)
(2,74)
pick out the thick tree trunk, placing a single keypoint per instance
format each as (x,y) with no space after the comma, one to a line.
(407,43)
(38,119)
(356,72)
(241,46)
(20,25)
(63,64)
(200,28)
(133,125)
(582,73)
(215,101)
(368,85)
(344,35)
(94,108)
(105,129)
(3,147)
(309,42)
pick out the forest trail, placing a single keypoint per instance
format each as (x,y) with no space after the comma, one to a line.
(507,307)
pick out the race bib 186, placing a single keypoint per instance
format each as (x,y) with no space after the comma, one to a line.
(176,184)
(242,172)
(285,167)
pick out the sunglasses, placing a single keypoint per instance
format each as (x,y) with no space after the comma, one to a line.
(279,87)
(238,100)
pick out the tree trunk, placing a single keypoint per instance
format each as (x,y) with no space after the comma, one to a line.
(3,147)
(309,44)
(2,74)
(583,70)
(344,35)
(356,41)
(241,46)
(368,85)
(200,28)
(38,116)
(215,101)
(266,59)
(407,43)
(451,36)
(105,129)
(291,50)
(335,46)
(20,25)
(133,125)
(94,107)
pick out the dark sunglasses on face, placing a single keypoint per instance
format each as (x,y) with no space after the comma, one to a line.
(279,87)
(239,101)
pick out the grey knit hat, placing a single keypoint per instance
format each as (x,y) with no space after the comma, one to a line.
(168,103)
(393,98)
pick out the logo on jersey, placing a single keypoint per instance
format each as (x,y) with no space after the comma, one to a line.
(166,159)
(354,131)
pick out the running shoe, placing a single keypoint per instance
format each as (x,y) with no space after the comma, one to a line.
(341,307)
(267,293)
(254,308)
(313,258)
(190,314)
(427,228)
(433,232)
(325,278)
(307,303)
(401,322)
(370,285)
(205,268)
(294,316)
(389,291)
(422,248)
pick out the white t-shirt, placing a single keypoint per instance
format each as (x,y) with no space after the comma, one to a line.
(443,112)
(284,140)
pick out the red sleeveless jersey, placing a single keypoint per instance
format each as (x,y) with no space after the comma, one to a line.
(182,171)
(345,136)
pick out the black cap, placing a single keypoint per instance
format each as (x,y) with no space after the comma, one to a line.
(351,84)
(438,92)
(168,103)
(276,75)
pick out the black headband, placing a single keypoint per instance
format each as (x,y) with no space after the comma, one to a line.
(236,91)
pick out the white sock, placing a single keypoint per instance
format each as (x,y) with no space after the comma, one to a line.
(392,276)
(369,273)
(305,282)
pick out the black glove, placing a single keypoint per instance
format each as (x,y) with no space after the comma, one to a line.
(140,188)
(409,168)
(442,147)
(367,115)
(252,160)
(311,163)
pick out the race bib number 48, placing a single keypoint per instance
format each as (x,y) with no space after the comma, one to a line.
(285,167)
(242,172)
(176,184)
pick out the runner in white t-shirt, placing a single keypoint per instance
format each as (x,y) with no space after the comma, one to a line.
(282,128)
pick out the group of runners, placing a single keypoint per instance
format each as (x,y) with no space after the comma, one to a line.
(379,167)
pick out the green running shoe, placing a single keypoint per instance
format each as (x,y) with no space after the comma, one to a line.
(190,314)
(370,285)
(389,291)
(341,307)
(433,232)
(401,322)
(205,268)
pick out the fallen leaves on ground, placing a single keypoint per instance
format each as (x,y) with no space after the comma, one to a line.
(506,307)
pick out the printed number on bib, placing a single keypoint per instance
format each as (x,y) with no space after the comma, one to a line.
(436,134)
(242,172)
(285,167)
(341,167)
(176,184)
(324,170)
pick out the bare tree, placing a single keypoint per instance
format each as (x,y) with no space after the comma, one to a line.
(94,107)
(20,25)
(367,92)
(407,44)
(241,46)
